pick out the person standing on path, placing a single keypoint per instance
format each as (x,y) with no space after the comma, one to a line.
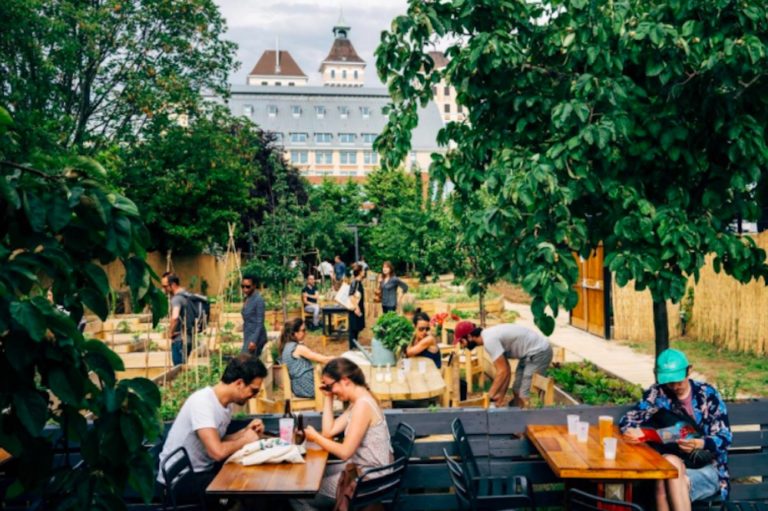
(357,299)
(502,342)
(181,329)
(389,284)
(254,331)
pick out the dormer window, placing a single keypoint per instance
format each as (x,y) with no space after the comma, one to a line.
(343,112)
(248,110)
(344,74)
(365,112)
(296,111)
(333,73)
(320,111)
(323,138)
(298,138)
(346,138)
(272,110)
(368,138)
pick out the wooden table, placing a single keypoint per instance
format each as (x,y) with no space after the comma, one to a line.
(275,479)
(570,459)
(387,384)
(329,331)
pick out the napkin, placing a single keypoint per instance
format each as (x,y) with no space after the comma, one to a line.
(269,450)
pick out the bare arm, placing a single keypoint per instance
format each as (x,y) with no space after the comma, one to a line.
(219,449)
(353,437)
(331,426)
(175,314)
(306,352)
(501,380)
(414,350)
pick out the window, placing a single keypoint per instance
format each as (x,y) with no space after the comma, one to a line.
(347,138)
(370,158)
(296,111)
(447,108)
(348,157)
(278,137)
(434,90)
(272,110)
(248,110)
(460,109)
(299,157)
(447,91)
(265,83)
(278,83)
(333,73)
(368,138)
(344,74)
(291,84)
(343,112)
(320,111)
(323,157)
(365,112)
(323,138)
(355,74)
(298,138)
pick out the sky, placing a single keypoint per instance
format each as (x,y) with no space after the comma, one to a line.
(305,29)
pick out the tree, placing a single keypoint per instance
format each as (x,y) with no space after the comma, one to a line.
(333,208)
(193,180)
(57,219)
(85,74)
(638,124)
(390,189)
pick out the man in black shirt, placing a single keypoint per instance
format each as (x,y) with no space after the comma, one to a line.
(309,299)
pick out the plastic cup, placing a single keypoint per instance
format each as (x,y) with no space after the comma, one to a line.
(605,426)
(388,376)
(573,424)
(609,447)
(407,364)
(286,429)
(422,366)
(401,375)
(379,375)
(582,434)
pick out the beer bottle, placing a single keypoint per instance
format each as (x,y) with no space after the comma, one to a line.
(288,414)
(299,436)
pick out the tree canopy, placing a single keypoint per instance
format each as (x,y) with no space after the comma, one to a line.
(636,124)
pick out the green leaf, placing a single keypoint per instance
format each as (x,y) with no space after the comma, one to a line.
(97,276)
(95,301)
(35,210)
(30,319)
(145,389)
(58,380)
(59,213)
(142,476)
(132,431)
(137,277)
(654,67)
(5,117)
(125,205)
(99,348)
(32,410)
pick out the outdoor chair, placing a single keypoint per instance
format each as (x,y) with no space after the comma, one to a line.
(544,388)
(745,505)
(488,493)
(175,468)
(302,403)
(578,500)
(380,485)
(451,373)
(402,441)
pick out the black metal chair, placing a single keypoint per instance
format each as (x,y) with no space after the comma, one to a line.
(402,440)
(380,485)
(488,493)
(745,505)
(464,450)
(578,500)
(176,467)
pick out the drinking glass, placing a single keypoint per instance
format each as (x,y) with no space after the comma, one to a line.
(582,433)
(573,424)
(609,447)
(286,429)
(605,423)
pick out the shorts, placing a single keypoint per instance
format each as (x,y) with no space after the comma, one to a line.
(526,367)
(705,482)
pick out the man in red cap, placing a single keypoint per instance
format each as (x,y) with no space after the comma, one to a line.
(503,342)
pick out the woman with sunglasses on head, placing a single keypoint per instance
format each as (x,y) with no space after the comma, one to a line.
(388,286)
(423,344)
(298,358)
(366,437)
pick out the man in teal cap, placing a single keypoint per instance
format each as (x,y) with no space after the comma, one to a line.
(701,459)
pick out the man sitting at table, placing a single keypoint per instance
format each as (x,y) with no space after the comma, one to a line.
(533,351)
(202,423)
(701,462)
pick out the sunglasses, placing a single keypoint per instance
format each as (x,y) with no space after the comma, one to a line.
(246,286)
(423,328)
(326,387)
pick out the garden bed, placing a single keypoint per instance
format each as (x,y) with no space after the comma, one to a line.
(588,384)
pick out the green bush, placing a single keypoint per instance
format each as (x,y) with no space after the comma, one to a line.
(587,383)
(394,331)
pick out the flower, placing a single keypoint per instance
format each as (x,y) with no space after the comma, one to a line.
(439,318)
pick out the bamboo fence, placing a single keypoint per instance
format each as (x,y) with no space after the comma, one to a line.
(633,314)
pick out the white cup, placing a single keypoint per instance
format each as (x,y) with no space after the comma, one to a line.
(401,375)
(573,424)
(609,447)
(388,376)
(379,375)
(286,429)
(407,364)
(582,434)
(422,366)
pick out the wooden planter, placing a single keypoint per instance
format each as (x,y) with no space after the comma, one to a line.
(493,306)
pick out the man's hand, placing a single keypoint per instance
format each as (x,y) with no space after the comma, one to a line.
(249,435)
(257,426)
(498,400)
(688,445)
(633,435)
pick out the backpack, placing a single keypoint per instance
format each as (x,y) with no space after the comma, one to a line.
(198,311)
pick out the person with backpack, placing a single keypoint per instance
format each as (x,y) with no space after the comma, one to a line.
(182,328)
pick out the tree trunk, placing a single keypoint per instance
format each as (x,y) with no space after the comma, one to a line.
(482,309)
(660,325)
(284,297)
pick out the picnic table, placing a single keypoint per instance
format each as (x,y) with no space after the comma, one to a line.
(272,479)
(570,459)
(422,380)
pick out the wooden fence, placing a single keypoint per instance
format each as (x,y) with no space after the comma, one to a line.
(725,313)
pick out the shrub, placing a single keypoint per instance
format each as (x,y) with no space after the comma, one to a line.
(394,331)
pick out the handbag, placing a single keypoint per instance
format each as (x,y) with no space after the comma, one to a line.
(377,295)
(345,490)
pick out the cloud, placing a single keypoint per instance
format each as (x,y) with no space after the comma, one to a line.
(304,28)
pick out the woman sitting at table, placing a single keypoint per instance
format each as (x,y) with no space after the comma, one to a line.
(423,344)
(366,437)
(298,358)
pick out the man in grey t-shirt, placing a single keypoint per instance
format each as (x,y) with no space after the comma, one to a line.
(533,351)
(181,329)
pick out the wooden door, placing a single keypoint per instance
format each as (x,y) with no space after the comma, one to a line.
(589,313)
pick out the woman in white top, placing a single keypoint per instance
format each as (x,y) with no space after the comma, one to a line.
(366,437)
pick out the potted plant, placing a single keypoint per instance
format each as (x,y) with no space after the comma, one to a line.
(391,334)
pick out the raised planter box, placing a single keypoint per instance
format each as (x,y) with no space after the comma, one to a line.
(492,306)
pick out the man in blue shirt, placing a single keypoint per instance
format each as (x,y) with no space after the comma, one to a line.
(339,271)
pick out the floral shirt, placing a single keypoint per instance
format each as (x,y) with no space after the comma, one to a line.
(709,413)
